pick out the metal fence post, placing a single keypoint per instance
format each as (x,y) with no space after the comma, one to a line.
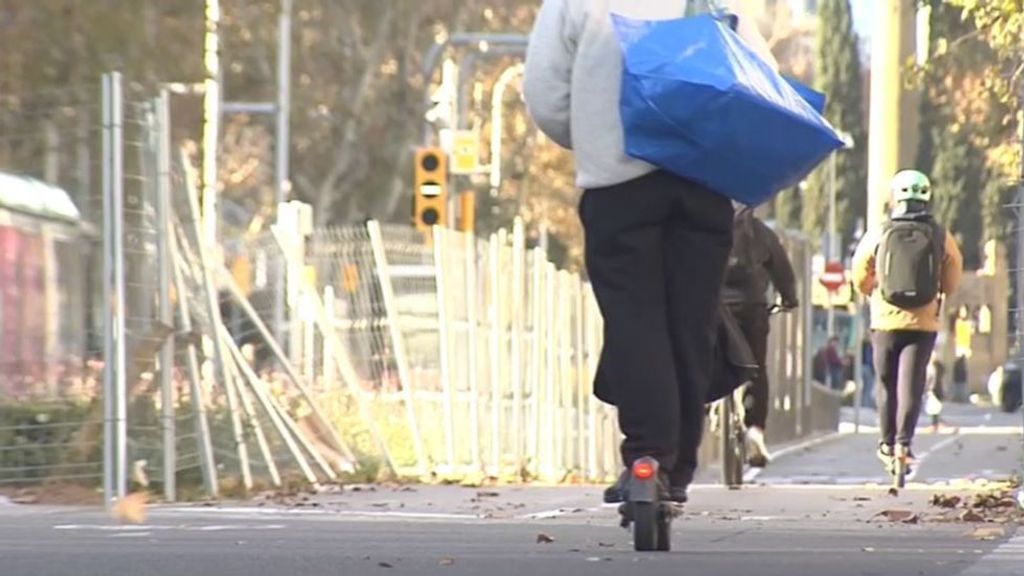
(120,354)
(108,297)
(494,319)
(326,352)
(472,308)
(536,365)
(517,310)
(205,445)
(220,359)
(397,340)
(549,432)
(163,215)
(581,376)
(444,335)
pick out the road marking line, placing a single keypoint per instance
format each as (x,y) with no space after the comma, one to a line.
(148,528)
(924,455)
(548,514)
(753,473)
(248,512)
(1003,561)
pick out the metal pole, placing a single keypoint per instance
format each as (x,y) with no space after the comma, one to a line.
(290,371)
(517,311)
(397,341)
(833,244)
(211,120)
(108,299)
(248,409)
(886,88)
(472,311)
(205,446)
(270,407)
(163,191)
(327,358)
(284,71)
(494,318)
(858,364)
(498,122)
(516,44)
(444,344)
(1020,254)
(283,109)
(117,192)
(831,248)
(220,359)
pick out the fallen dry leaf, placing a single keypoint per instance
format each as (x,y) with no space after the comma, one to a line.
(971,516)
(544,539)
(897,515)
(988,534)
(132,508)
(945,501)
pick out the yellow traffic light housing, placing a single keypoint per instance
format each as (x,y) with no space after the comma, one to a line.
(430,195)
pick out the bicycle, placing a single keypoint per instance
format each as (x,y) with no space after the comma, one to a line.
(732,429)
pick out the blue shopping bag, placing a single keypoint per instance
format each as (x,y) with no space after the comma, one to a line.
(698,102)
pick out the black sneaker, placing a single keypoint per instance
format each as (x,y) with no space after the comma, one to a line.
(616,493)
(678,494)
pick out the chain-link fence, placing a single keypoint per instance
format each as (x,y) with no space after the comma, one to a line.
(146,354)
(49,376)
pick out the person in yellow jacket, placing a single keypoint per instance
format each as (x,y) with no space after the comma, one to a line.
(906,268)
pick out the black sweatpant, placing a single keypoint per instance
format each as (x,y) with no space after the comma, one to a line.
(901,362)
(656,251)
(754,321)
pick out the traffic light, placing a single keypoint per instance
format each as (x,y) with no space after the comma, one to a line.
(430,196)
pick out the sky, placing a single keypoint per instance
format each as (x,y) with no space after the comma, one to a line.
(862,10)
(862,19)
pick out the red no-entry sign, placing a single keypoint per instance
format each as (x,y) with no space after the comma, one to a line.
(833,277)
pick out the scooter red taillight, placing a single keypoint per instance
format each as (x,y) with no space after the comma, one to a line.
(643,470)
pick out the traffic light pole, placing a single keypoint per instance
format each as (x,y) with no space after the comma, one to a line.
(886,87)
(495,44)
(1020,257)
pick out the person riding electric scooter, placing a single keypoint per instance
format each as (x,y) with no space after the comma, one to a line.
(657,244)
(906,268)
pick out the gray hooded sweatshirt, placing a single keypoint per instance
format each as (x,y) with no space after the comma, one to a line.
(573,77)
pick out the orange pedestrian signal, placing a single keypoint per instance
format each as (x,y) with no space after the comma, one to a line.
(430,193)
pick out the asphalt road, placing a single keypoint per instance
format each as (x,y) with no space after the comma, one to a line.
(766,531)
(816,510)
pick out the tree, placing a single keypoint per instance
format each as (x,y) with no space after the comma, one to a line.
(838,75)
(787,208)
(959,118)
(999,26)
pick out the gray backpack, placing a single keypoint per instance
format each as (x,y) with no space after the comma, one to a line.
(909,261)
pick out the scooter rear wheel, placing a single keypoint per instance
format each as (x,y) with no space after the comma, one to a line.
(646,526)
(664,532)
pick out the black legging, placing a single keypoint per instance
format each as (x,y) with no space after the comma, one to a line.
(901,361)
(754,321)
